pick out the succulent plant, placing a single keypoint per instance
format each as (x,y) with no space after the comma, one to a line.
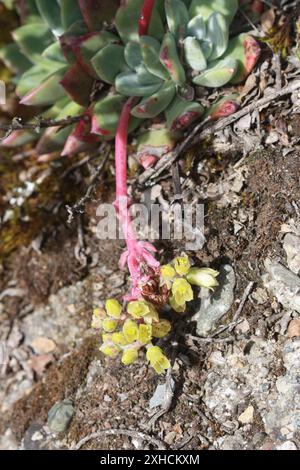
(86,57)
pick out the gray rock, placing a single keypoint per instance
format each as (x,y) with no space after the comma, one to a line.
(284,285)
(159,395)
(291,245)
(8,441)
(60,416)
(215,305)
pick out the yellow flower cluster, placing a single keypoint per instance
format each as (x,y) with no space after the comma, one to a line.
(126,333)
(179,276)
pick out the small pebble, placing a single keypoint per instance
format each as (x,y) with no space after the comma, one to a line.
(294,328)
(247,416)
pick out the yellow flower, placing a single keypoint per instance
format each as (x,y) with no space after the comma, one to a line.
(113,308)
(176,307)
(152,316)
(109,350)
(109,325)
(182,265)
(161,329)
(138,308)
(98,315)
(130,331)
(203,277)
(129,356)
(168,272)
(119,339)
(145,334)
(182,291)
(106,337)
(157,359)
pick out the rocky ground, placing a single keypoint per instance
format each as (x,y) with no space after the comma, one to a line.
(235,380)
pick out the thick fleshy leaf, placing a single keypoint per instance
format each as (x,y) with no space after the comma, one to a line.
(56,109)
(18,138)
(217,74)
(150,49)
(109,62)
(87,46)
(50,12)
(54,53)
(197,27)
(228,8)
(70,13)
(223,107)
(169,58)
(194,55)
(127,83)
(153,144)
(70,39)
(145,77)
(181,113)
(78,85)
(81,137)
(49,91)
(33,39)
(127,19)
(207,48)
(246,51)
(218,33)
(106,117)
(54,138)
(154,105)
(95,12)
(31,79)
(133,55)
(177,17)
(14,59)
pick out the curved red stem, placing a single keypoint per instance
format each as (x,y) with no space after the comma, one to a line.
(145,17)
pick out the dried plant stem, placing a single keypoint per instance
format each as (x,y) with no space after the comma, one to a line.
(119,432)
(17,125)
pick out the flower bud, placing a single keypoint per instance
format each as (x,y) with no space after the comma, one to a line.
(203,277)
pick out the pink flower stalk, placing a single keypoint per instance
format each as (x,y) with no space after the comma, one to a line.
(138,254)
(145,17)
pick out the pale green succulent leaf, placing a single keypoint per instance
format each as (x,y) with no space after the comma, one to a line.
(207,48)
(47,92)
(145,77)
(31,79)
(246,51)
(150,49)
(181,113)
(133,55)
(217,74)
(14,59)
(109,62)
(152,106)
(54,53)
(107,113)
(169,58)
(33,39)
(197,27)
(194,55)
(127,19)
(228,8)
(218,33)
(70,13)
(127,83)
(177,17)
(50,11)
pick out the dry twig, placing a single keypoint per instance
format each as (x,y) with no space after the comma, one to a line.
(119,432)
